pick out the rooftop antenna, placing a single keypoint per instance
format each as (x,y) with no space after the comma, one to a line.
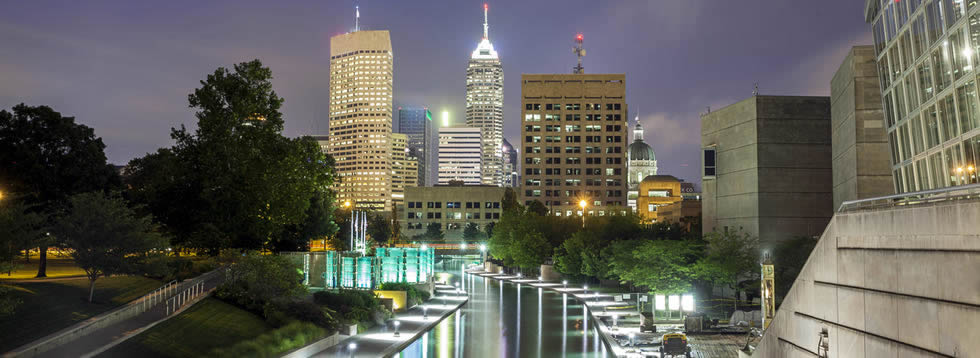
(580,52)
(486,26)
(755,92)
(357,18)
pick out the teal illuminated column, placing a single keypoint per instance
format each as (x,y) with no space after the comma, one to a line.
(399,256)
(364,272)
(347,272)
(412,265)
(330,272)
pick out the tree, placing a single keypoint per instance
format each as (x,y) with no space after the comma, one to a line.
(104,235)
(731,255)
(537,207)
(471,231)
(433,231)
(396,228)
(379,228)
(509,201)
(241,178)
(663,266)
(488,229)
(46,157)
(258,279)
(20,229)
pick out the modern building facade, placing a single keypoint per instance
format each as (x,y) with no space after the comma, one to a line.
(511,177)
(642,163)
(860,146)
(767,168)
(574,138)
(417,124)
(360,117)
(452,208)
(460,155)
(927,54)
(656,191)
(485,104)
(404,168)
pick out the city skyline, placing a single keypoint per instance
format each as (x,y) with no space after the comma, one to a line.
(135,121)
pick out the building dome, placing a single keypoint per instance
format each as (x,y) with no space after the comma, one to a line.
(639,150)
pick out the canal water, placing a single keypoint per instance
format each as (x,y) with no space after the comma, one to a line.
(504,319)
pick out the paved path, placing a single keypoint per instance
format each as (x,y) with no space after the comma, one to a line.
(95,341)
(380,341)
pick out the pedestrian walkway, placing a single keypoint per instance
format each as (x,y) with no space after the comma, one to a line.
(97,341)
(399,332)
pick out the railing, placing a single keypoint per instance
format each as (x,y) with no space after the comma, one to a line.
(158,295)
(184,297)
(962,192)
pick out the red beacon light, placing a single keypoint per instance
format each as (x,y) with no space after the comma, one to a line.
(485,6)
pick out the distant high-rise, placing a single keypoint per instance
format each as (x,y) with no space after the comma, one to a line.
(574,137)
(485,104)
(360,117)
(459,155)
(510,165)
(404,168)
(417,124)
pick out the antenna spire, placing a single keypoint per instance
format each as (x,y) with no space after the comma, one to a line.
(357,18)
(580,52)
(486,26)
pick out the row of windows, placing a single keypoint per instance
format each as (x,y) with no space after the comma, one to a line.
(936,124)
(573,128)
(449,226)
(534,117)
(571,193)
(579,212)
(954,165)
(573,160)
(454,205)
(573,171)
(452,215)
(588,150)
(572,182)
(572,106)
(573,139)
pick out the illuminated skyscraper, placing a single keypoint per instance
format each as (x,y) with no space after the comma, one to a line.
(360,117)
(417,124)
(485,104)
(404,167)
(459,155)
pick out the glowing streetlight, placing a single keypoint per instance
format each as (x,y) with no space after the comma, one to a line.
(1,194)
(539,278)
(397,323)
(424,247)
(347,204)
(582,204)
(564,284)
(425,312)
(351,348)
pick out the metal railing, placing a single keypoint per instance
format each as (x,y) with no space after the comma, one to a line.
(962,192)
(158,295)
(184,297)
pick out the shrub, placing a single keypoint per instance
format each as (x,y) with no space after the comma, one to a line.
(275,342)
(279,313)
(353,305)
(257,279)
(415,295)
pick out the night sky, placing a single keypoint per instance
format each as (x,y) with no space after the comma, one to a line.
(125,67)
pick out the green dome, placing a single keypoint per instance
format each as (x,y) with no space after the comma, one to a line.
(641,151)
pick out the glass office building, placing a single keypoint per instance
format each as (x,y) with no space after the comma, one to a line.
(927,51)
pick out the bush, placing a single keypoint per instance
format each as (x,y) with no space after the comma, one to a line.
(275,342)
(415,295)
(258,279)
(279,313)
(353,305)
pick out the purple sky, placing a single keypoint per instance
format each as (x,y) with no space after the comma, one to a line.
(126,67)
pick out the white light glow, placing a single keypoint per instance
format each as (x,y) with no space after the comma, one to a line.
(687,303)
(674,302)
(660,302)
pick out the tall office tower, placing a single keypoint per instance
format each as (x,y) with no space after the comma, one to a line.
(510,165)
(574,137)
(485,104)
(404,168)
(926,54)
(767,168)
(360,117)
(860,145)
(642,163)
(417,124)
(459,155)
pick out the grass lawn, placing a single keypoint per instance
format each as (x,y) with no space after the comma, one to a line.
(47,307)
(57,267)
(205,326)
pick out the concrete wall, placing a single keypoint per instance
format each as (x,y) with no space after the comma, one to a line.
(861,164)
(888,283)
(773,175)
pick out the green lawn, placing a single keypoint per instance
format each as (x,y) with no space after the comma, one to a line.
(58,266)
(47,307)
(207,325)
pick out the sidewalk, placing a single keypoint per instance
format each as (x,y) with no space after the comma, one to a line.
(94,342)
(381,341)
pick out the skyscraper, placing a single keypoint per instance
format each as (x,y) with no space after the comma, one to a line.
(459,155)
(485,104)
(574,137)
(404,168)
(510,165)
(926,54)
(360,117)
(417,124)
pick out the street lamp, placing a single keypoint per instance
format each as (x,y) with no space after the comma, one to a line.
(586,294)
(351,348)
(564,284)
(425,312)
(582,204)
(397,323)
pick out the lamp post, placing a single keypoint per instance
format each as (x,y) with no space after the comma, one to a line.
(425,312)
(397,323)
(586,294)
(582,204)
(483,251)
(564,284)
(351,348)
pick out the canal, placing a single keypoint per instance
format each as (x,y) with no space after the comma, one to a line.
(504,319)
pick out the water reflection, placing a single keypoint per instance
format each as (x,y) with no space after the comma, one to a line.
(500,317)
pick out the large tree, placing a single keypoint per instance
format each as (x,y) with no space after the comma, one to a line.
(732,255)
(46,157)
(104,235)
(20,229)
(379,228)
(247,186)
